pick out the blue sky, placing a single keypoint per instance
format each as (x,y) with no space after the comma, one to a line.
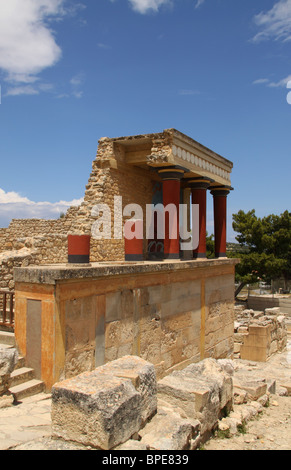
(72,72)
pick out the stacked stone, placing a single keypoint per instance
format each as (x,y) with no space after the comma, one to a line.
(247,326)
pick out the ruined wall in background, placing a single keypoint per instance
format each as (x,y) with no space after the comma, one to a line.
(45,241)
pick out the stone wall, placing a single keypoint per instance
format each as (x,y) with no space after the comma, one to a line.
(261,302)
(172,314)
(110,177)
(40,250)
(47,239)
(259,335)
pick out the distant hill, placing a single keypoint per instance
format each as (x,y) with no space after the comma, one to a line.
(236,248)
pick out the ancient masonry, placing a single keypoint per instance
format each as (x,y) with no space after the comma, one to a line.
(131,167)
(259,335)
(154,301)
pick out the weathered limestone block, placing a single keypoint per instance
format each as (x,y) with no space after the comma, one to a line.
(132,445)
(104,408)
(254,389)
(143,377)
(202,390)
(168,430)
(272,311)
(287,386)
(8,361)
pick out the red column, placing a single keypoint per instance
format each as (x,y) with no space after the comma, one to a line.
(79,249)
(133,240)
(199,196)
(171,195)
(220,216)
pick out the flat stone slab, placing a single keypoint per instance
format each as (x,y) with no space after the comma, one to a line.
(106,407)
(202,390)
(287,385)
(168,430)
(51,274)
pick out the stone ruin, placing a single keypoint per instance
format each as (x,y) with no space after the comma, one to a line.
(122,406)
(119,165)
(8,361)
(259,335)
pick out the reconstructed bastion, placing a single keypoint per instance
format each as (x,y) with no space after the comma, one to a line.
(149,298)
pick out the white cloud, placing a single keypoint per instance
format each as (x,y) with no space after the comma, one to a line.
(22,90)
(145,6)
(189,92)
(275,23)
(261,81)
(101,45)
(12,197)
(280,83)
(199,3)
(27,44)
(15,206)
(76,82)
(271,84)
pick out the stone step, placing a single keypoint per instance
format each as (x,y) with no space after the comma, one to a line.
(7,338)
(20,363)
(5,346)
(27,389)
(21,375)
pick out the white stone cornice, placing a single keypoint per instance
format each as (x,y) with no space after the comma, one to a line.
(197,161)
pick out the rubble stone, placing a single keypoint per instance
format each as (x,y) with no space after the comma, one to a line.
(103,408)
(202,390)
(169,431)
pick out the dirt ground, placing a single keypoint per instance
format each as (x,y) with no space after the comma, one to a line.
(271,429)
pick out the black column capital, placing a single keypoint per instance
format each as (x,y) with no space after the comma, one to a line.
(199,183)
(220,190)
(171,173)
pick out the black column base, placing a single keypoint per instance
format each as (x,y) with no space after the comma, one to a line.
(199,256)
(78,259)
(171,255)
(132,257)
(220,255)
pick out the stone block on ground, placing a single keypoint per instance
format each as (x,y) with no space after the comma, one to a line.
(106,407)
(272,311)
(254,389)
(6,400)
(8,360)
(168,430)
(132,445)
(143,377)
(203,391)
(287,386)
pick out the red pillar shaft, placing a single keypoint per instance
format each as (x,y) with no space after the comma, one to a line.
(199,196)
(133,240)
(220,216)
(79,249)
(171,195)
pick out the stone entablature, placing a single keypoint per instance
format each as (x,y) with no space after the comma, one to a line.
(171,147)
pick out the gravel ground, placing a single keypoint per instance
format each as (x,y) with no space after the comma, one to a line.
(271,430)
